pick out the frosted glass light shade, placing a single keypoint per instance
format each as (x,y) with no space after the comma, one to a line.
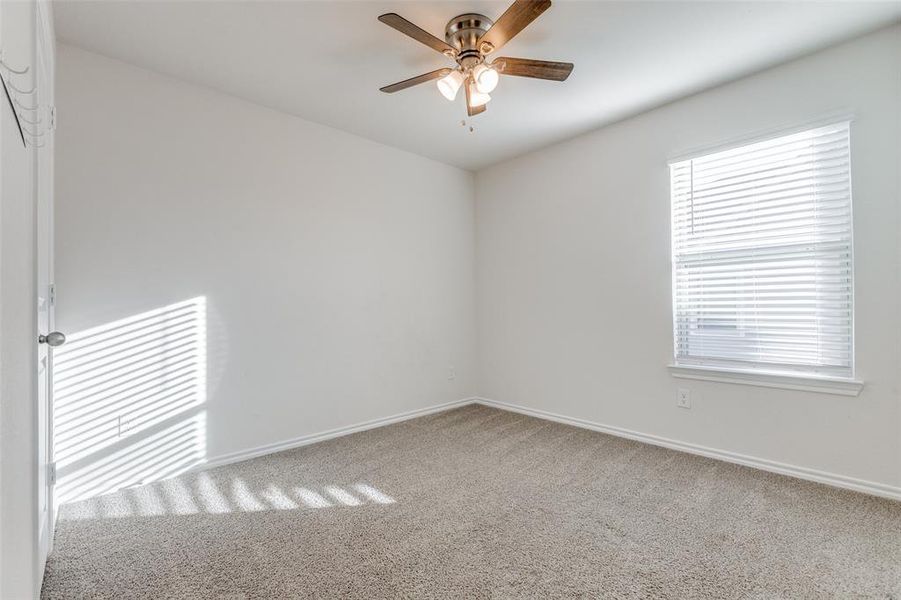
(486,78)
(450,83)
(477,98)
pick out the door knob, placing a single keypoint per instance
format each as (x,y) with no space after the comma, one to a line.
(52,339)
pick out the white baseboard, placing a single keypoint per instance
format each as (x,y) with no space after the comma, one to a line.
(832,479)
(306,440)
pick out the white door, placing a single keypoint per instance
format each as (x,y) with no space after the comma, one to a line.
(42,145)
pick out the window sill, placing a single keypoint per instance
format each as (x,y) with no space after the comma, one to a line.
(823,385)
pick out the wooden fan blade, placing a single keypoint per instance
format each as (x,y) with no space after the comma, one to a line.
(539,69)
(514,20)
(470,109)
(407,83)
(417,33)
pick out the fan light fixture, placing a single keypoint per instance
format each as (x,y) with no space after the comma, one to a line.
(486,78)
(468,40)
(450,84)
(477,98)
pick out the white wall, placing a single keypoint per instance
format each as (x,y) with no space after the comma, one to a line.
(573,271)
(338,272)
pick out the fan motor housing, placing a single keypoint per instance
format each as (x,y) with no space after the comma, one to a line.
(463,33)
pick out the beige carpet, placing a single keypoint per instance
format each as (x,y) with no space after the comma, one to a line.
(478,502)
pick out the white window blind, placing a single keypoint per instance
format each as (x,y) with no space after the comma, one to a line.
(762,266)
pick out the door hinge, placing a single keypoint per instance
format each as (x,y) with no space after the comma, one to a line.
(51,293)
(53,118)
(51,473)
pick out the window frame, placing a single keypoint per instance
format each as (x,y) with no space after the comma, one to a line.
(751,374)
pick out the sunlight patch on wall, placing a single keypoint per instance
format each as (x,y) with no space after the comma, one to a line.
(127,401)
(146,459)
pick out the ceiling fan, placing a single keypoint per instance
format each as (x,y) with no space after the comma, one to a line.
(469,39)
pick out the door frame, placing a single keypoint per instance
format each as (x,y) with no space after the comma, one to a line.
(43,191)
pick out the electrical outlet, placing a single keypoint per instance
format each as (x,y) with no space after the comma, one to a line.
(451,373)
(125,426)
(683,398)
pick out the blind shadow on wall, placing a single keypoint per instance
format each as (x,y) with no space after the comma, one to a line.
(128,401)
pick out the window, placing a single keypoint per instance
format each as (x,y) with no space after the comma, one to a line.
(762,267)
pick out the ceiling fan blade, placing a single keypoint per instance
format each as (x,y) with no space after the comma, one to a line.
(539,69)
(514,20)
(470,109)
(417,33)
(407,83)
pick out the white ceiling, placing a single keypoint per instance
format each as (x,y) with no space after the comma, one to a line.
(325,60)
